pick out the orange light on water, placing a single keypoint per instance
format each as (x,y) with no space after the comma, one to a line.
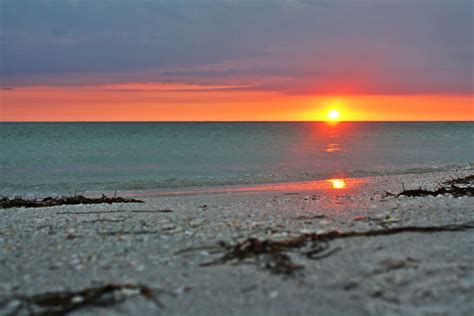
(331,148)
(338,183)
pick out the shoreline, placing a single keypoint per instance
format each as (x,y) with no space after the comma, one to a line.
(326,184)
(74,247)
(270,183)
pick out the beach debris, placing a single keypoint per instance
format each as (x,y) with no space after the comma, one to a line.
(468,180)
(310,217)
(90,212)
(153,211)
(127,232)
(452,190)
(105,220)
(456,188)
(313,198)
(272,255)
(71,236)
(65,302)
(18,201)
(268,254)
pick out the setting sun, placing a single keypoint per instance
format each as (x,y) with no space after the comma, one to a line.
(333,115)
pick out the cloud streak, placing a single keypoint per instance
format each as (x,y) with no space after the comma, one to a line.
(289,46)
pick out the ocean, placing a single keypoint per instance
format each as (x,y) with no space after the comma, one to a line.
(63,158)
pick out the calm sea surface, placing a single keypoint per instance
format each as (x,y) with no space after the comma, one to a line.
(57,158)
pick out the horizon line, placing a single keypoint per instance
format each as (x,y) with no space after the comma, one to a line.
(256,121)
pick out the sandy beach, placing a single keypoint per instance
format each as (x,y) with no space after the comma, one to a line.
(69,248)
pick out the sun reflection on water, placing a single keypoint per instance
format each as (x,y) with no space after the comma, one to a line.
(331,148)
(338,183)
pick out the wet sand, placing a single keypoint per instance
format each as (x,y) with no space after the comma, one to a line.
(74,247)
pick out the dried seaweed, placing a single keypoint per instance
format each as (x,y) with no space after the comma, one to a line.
(65,302)
(465,180)
(269,254)
(458,187)
(6,202)
(452,190)
(272,255)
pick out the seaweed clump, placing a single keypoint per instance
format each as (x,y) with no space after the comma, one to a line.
(468,180)
(459,187)
(65,302)
(273,255)
(452,190)
(18,201)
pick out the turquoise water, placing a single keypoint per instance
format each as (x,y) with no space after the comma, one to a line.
(57,158)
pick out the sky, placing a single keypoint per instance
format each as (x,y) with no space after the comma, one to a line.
(232,60)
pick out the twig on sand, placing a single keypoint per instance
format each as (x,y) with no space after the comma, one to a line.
(90,212)
(65,302)
(310,217)
(18,201)
(153,211)
(127,232)
(105,220)
(271,255)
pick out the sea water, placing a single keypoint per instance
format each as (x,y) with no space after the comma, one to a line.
(62,158)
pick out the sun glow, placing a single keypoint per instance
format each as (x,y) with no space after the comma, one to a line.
(334,115)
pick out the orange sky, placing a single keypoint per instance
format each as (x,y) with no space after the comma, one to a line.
(185,102)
